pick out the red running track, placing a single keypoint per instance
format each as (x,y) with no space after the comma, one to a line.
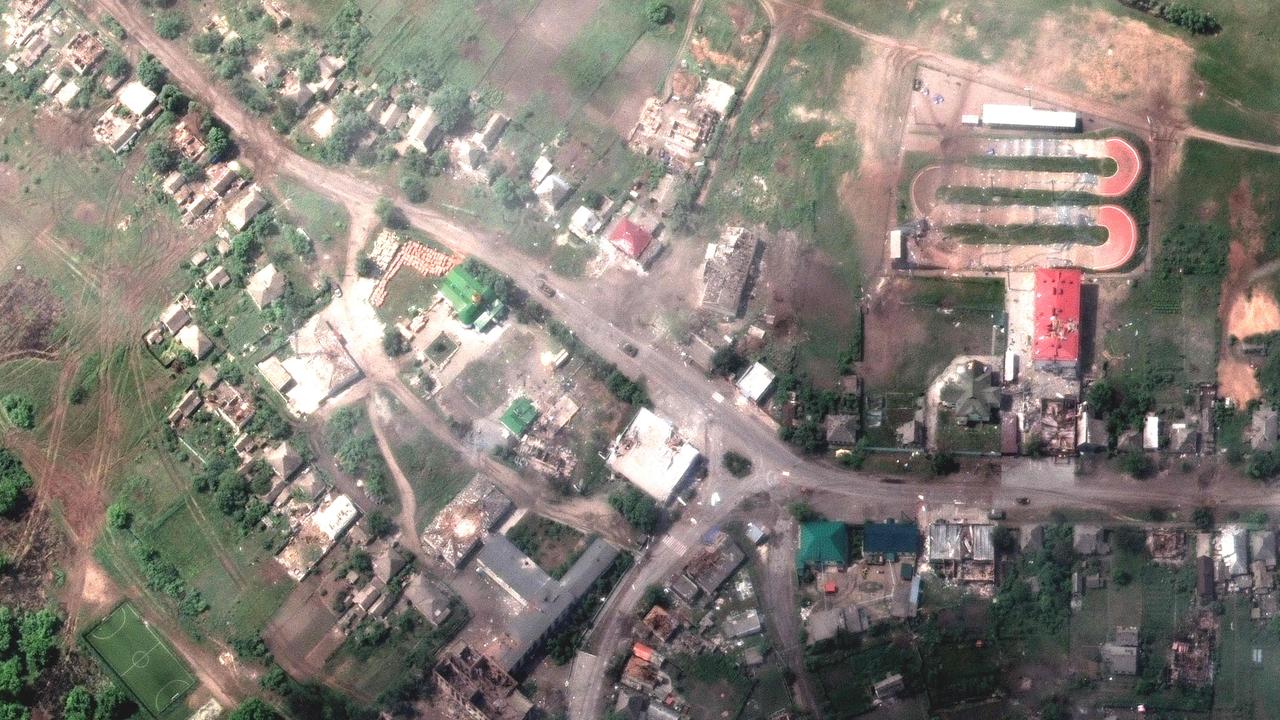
(1128,168)
(1122,239)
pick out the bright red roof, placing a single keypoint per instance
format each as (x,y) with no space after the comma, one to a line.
(630,238)
(642,651)
(1057,331)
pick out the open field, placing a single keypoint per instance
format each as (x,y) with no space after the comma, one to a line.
(141,660)
(434,469)
(1243,689)
(918,325)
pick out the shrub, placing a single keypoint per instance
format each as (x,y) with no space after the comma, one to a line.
(637,508)
(170,25)
(658,13)
(119,516)
(19,411)
(737,464)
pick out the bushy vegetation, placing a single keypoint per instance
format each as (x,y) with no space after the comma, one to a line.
(14,481)
(1192,19)
(355,449)
(637,508)
(1018,612)
(29,645)
(162,576)
(19,411)
(737,464)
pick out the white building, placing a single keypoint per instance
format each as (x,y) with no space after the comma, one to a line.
(653,456)
(1025,116)
(756,382)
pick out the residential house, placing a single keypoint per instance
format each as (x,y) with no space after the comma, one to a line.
(265,286)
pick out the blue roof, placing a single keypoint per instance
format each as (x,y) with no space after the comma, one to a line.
(891,537)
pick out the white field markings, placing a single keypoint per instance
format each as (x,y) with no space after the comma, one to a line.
(141,659)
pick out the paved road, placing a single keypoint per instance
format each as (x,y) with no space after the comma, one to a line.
(680,391)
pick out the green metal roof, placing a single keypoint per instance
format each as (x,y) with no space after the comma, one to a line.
(519,416)
(823,542)
(468,296)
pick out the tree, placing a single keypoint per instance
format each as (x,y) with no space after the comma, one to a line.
(1263,465)
(507,192)
(452,105)
(727,362)
(379,524)
(414,188)
(389,214)
(78,705)
(10,677)
(14,481)
(119,516)
(366,267)
(737,464)
(116,65)
(169,25)
(207,43)
(161,158)
(14,711)
(803,511)
(943,464)
(1137,465)
(1002,539)
(658,12)
(637,508)
(152,73)
(19,411)
(254,709)
(172,99)
(216,143)
(393,343)
(37,638)
(1202,518)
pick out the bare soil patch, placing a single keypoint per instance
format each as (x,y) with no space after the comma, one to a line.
(31,312)
(874,103)
(1112,58)
(1238,304)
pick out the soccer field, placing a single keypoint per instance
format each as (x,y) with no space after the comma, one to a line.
(141,660)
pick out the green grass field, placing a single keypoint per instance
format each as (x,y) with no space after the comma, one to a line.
(436,472)
(141,660)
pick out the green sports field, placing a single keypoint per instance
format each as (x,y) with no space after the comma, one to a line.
(140,659)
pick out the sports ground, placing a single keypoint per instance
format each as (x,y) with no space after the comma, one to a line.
(140,659)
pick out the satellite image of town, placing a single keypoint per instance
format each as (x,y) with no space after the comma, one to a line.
(639,359)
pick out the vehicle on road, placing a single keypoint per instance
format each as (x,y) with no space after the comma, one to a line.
(629,349)
(995,514)
(546,289)
(1024,501)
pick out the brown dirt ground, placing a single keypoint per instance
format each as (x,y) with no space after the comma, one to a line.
(874,96)
(1238,305)
(31,313)
(1117,59)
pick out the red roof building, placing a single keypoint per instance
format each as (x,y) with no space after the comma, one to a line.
(630,238)
(1056,345)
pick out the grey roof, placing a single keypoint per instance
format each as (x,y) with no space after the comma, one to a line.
(507,565)
(714,565)
(1264,428)
(824,624)
(525,630)
(973,394)
(1088,540)
(742,624)
(842,429)
(1122,659)
(956,542)
(1262,546)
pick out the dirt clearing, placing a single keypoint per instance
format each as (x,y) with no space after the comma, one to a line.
(1243,312)
(1111,58)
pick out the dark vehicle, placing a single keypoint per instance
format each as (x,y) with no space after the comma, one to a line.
(546,289)
(1024,501)
(891,481)
(630,350)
